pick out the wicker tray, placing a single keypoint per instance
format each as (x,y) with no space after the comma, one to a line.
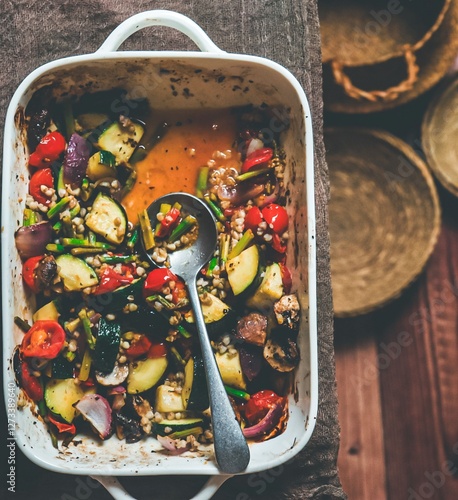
(409,55)
(384,217)
(439,135)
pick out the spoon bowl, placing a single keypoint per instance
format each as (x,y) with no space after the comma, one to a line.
(231,449)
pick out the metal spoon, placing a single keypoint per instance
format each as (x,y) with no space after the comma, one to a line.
(231,449)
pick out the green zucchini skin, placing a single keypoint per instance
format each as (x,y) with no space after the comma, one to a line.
(116,300)
(176,425)
(195,389)
(62,368)
(106,346)
(61,395)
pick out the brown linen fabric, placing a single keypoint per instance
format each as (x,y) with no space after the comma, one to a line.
(287,31)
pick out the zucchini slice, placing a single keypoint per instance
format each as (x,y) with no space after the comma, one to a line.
(218,316)
(48,311)
(269,291)
(242,270)
(195,391)
(121,141)
(106,346)
(168,400)
(75,273)
(61,395)
(231,370)
(145,374)
(101,164)
(108,218)
(176,425)
(90,121)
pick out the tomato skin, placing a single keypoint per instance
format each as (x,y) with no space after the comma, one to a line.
(157,350)
(44,340)
(286,277)
(179,292)
(49,149)
(157,279)
(276,217)
(31,384)
(257,159)
(253,218)
(257,407)
(61,426)
(110,280)
(39,178)
(28,272)
(277,244)
(139,345)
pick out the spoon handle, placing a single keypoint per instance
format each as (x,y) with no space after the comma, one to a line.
(231,449)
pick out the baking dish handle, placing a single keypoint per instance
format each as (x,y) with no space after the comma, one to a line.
(159,18)
(117,491)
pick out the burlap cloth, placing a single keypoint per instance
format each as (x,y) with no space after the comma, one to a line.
(33,32)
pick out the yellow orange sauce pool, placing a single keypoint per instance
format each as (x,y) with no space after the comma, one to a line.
(173,163)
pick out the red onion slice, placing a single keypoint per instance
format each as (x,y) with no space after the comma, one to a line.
(32,240)
(254,145)
(76,159)
(240,193)
(119,389)
(97,411)
(266,424)
(171,445)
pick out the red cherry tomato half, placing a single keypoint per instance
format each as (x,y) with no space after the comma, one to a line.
(110,280)
(44,340)
(31,384)
(28,272)
(48,150)
(253,218)
(276,217)
(156,280)
(257,407)
(257,159)
(40,178)
(157,350)
(139,345)
(61,426)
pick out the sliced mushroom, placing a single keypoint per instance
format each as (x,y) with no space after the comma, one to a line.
(282,356)
(116,377)
(287,311)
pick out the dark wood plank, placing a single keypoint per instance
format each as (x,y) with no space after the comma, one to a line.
(360,414)
(415,351)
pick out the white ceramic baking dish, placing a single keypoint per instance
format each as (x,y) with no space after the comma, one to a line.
(209,79)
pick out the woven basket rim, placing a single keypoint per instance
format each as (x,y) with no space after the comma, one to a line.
(448,87)
(420,165)
(402,47)
(440,58)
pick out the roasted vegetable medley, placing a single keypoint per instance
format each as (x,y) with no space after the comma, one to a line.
(112,348)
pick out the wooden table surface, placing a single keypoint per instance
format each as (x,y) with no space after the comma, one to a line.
(397,370)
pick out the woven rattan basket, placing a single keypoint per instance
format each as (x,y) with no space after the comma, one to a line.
(440,133)
(384,217)
(375,59)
